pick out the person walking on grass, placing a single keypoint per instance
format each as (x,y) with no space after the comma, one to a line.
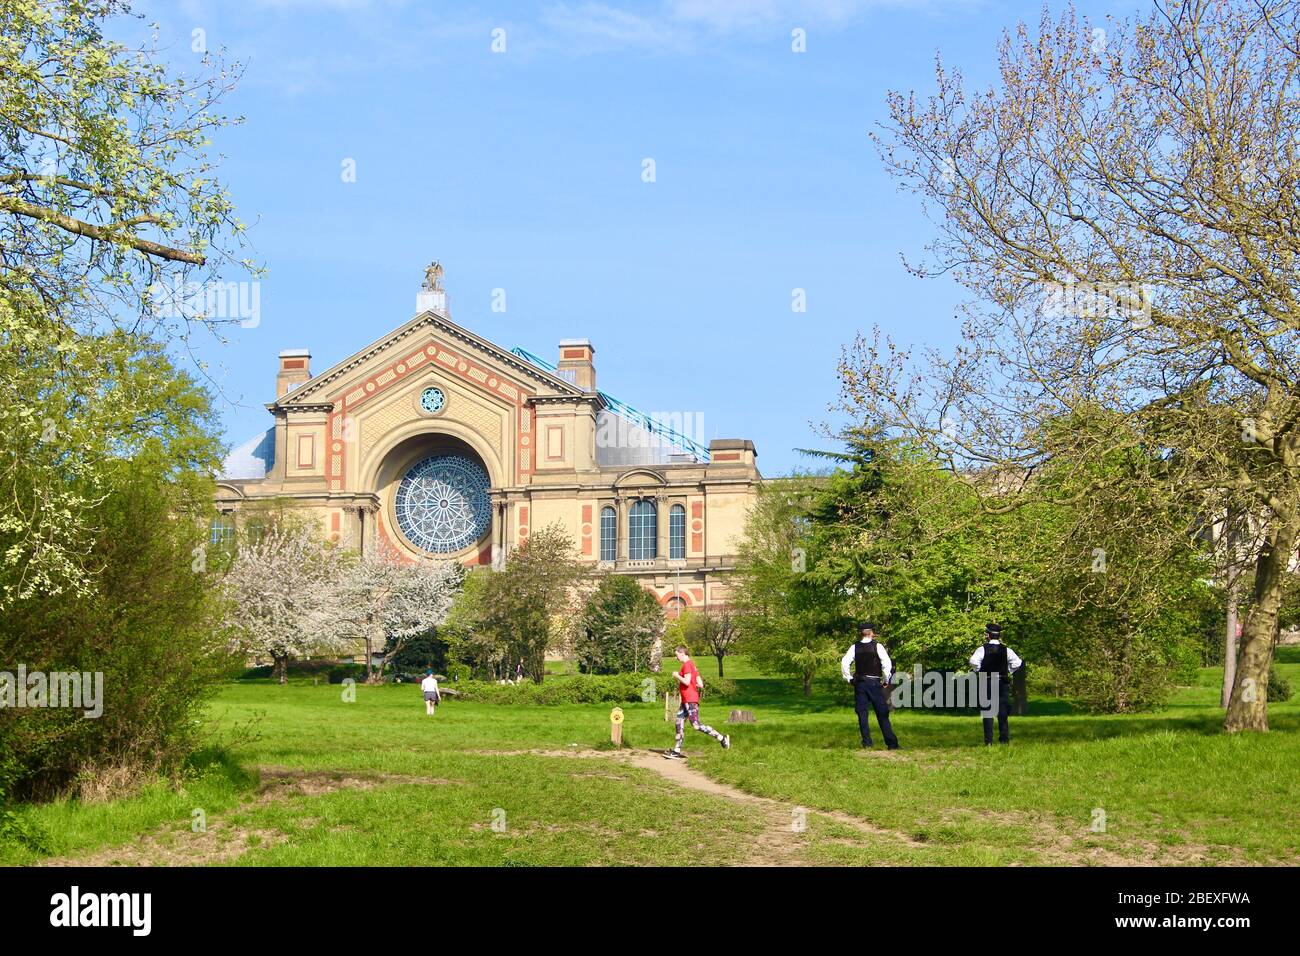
(994,657)
(872,669)
(431,696)
(689,682)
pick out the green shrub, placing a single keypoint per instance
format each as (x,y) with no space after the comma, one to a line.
(459,672)
(419,654)
(1279,688)
(341,672)
(629,688)
(579,689)
(332,670)
(150,627)
(717,688)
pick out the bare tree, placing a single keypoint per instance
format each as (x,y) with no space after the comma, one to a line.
(1122,205)
(715,629)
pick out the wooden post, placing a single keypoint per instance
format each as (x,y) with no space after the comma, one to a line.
(1019,692)
(616,726)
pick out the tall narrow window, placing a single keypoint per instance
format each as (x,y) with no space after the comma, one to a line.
(608,534)
(222,530)
(677,532)
(643,531)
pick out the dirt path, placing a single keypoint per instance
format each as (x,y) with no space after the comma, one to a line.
(785,836)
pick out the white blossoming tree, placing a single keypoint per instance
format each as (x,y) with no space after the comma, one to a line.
(381,597)
(278,590)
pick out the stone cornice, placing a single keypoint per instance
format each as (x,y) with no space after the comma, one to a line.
(433,320)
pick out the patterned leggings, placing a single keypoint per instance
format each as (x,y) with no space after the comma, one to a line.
(691,712)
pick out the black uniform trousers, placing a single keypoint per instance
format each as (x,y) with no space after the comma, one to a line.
(1004,708)
(869,695)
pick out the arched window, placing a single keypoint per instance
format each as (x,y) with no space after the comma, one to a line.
(643,531)
(608,534)
(677,532)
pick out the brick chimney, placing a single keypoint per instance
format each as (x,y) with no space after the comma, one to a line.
(576,363)
(295,368)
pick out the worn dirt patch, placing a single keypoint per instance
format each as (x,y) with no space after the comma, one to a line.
(176,844)
(1059,846)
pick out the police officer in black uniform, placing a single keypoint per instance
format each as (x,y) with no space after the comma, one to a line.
(870,679)
(994,657)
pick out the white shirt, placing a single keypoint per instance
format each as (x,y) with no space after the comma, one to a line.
(429,684)
(1014,663)
(886,665)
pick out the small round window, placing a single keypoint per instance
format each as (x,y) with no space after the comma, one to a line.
(432,400)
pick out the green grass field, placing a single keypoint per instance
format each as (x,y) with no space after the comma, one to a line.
(376,782)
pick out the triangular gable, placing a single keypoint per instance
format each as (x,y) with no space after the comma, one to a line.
(319,389)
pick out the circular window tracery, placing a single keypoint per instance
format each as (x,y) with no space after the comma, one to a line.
(432,400)
(442,503)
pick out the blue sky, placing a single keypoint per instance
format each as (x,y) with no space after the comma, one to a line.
(522,170)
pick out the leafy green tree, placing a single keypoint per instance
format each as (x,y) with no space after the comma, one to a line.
(151,625)
(715,631)
(1122,214)
(794,622)
(913,548)
(620,623)
(106,195)
(520,611)
(467,642)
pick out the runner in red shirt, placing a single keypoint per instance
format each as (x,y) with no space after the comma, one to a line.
(689,683)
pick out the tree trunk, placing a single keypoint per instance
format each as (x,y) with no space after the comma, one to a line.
(807,683)
(372,677)
(1248,707)
(281,670)
(1230,641)
(719,657)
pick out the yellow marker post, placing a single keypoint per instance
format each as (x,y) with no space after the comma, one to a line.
(616,726)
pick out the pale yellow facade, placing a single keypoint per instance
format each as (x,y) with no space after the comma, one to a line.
(452,448)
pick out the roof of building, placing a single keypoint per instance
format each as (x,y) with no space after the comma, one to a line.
(251,460)
(643,439)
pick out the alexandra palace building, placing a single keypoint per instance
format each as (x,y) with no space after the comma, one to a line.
(449,447)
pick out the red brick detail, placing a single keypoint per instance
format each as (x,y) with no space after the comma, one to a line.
(586,530)
(697,509)
(727,456)
(292,363)
(697,542)
(435,355)
(383,533)
(574,354)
